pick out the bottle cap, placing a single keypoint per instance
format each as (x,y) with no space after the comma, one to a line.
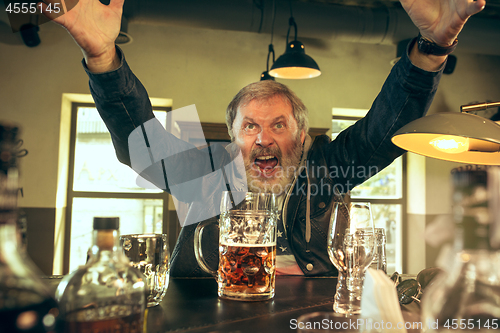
(103,223)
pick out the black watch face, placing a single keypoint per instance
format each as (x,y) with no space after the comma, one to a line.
(428,47)
(424,46)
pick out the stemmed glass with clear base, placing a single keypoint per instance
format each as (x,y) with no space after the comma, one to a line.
(351,249)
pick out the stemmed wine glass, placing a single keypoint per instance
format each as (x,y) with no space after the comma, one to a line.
(351,250)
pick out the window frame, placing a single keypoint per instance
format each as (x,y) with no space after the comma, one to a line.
(395,201)
(71,194)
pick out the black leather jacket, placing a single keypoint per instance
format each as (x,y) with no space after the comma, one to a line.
(355,155)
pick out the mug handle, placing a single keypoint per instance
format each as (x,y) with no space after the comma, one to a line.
(198,252)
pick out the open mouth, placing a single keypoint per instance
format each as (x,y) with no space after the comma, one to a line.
(266,164)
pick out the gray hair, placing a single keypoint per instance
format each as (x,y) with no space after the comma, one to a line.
(263,91)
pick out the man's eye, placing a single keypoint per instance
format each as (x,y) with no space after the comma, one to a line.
(251,128)
(280,125)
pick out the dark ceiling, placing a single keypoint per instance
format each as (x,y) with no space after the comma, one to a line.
(492,9)
(319,21)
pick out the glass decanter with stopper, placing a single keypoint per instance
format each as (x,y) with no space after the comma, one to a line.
(107,294)
(467,296)
(26,303)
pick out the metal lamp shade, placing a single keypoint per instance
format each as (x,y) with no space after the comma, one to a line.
(265,76)
(295,64)
(482,137)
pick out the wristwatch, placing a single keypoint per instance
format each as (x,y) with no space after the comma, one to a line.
(427,46)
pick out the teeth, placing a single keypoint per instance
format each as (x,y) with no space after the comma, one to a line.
(264,157)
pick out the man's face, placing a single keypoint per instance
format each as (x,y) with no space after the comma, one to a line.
(271,143)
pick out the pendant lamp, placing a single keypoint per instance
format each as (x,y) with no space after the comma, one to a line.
(265,75)
(294,63)
(458,137)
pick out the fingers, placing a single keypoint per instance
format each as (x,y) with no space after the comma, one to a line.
(116,4)
(475,7)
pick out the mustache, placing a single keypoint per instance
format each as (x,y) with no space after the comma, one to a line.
(259,151)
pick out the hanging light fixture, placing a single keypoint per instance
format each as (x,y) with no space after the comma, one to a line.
(458,137)
(265,75)
(294,63)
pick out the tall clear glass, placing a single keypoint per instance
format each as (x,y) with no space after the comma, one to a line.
(379,257)
(149,253)
(351,250)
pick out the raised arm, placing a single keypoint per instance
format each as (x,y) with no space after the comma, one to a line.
(94,27)
(440,22)
(405,96)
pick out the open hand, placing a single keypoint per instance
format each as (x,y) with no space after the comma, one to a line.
(93,26)
(441,20)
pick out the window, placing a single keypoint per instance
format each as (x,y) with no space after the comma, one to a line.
(385,191)
(99,185)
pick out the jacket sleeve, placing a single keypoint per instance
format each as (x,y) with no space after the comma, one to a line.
(122,102)
(365,148)
(124,105)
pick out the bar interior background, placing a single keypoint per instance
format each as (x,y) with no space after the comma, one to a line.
(199,52)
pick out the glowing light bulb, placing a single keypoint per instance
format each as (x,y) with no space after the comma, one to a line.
(451,144)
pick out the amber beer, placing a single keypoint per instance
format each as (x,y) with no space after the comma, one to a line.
(247,246)
(246,271)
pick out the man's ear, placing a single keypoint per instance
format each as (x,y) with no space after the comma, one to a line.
(302,136)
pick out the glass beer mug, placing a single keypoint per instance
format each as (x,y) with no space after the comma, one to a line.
(247,246)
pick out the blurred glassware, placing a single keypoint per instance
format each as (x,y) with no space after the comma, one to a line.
(467,295)
(26,303)
(107,294)
(150,254)
(351,250)
(379,257)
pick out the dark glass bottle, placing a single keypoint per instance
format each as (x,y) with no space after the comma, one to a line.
(26,304)
(467,296)
(107,294)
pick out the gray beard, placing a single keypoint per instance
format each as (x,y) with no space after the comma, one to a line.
(288,167)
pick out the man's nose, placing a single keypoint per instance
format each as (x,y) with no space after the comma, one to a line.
(264,138)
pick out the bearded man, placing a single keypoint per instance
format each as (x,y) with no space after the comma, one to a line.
(268,127)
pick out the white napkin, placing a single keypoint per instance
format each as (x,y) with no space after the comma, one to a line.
(379,302)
